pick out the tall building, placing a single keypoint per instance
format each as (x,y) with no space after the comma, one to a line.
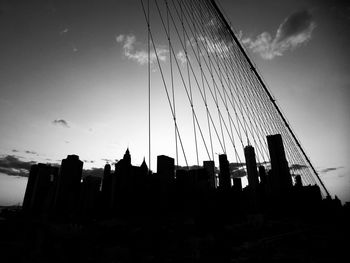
(252,171)
(298,182)
(107,187)
(38,197)
(30,188)
(224,175)
(122,183)
(68,186)
(166,168)
(280,176)
(165,179)
(237,184)
(262,174)
(144,167)
(209,166)
(127,157)
(89,195)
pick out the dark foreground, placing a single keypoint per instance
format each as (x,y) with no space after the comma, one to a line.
(173,238)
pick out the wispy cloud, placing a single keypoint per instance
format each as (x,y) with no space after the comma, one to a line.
(97,172)
(236,166)
(237,169)
(294,31)
(12,165)
(64,31)
(330,169)
(109,160)
(181,57)
(298,167)
(220,47)
(135,51)
(31,152)
(239,173)
(61,122)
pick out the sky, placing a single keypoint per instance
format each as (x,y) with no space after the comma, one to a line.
(73,80)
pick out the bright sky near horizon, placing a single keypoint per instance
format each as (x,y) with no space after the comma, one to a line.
(73,80)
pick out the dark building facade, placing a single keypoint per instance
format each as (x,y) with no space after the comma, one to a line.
(39,192)
(106,191)
(33,174)
(89,196)
(252,172)
(166,168)
(280,179)
(68,186)
(237,184)
(209,166)
(224,175)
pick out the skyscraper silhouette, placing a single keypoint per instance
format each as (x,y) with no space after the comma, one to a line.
(252,171)
(209,166)
(89,196)
(165,168)
(38,195)
(280,176)
(224,175)
(237,184)
(68,186)
(33,174)
(107,187)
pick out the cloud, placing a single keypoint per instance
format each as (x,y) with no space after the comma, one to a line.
(134,50)
(238,173)
(181,57)
(236,166)
(220,47)
(298,167)
(14,172)
(120,38)
(61,122)
(294,31)
(12,165)
(192,167)
(97,172)
(31,152)
(64,31)
(109,160)
(330,169)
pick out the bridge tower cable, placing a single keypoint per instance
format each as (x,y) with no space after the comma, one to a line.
(149,84)
(162,77)
(233,100)
(286,124)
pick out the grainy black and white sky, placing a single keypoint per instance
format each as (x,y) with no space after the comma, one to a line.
(68,84)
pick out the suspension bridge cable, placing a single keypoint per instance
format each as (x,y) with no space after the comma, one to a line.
(286,124)
(163,79)
(173,90)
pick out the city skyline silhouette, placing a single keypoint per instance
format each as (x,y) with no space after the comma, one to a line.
(174,131)
(141,212)
(72,68)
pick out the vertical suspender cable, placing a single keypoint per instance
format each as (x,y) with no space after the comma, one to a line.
(172,87)
(149,86)
(213,3)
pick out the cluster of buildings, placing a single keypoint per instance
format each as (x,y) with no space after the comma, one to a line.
(134,190)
